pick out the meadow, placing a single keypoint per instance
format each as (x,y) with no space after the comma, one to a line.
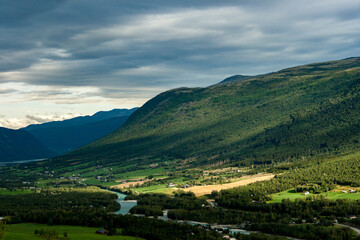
(333,195)
(26,231)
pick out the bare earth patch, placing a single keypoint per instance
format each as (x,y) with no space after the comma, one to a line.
(203,190)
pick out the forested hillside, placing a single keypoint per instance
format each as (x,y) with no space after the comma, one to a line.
(296,113)
(64,136)
(18,145)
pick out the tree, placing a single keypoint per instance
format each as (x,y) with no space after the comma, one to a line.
(3,227)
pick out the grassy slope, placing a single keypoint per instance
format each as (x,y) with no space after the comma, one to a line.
(291,114)
(26,231)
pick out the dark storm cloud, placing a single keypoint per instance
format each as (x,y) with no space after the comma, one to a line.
(155,45)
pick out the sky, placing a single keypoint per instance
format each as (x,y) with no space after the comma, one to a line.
(64,58)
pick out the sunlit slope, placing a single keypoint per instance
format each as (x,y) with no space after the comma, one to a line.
(295,113)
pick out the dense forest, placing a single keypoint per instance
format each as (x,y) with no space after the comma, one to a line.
(322,175)
(57,206)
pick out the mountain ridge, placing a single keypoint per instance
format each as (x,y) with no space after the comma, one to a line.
(262,119)
(64,136)
(17,145)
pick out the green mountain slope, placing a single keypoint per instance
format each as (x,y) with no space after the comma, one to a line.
(291,114)
(17,145)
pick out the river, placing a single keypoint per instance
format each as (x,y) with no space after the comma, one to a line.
(126,205)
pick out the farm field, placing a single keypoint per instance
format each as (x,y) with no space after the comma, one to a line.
(25,231)
(333,195)
(203,190)
(132,175)
(199,190)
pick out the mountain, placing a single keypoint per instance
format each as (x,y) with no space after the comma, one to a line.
(67,135)
(18,145)
(234,78)
(290,115)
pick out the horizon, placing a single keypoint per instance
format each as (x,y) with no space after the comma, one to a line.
(73,58)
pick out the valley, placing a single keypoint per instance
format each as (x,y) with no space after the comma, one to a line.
(275,155)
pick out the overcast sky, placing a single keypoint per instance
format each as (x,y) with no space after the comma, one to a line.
(60,59)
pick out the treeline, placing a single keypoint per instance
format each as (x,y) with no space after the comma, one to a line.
(50,234)
(181,200)
(322,175)
(147,210)
(223,216)
(312,210)
(305,231)
(153,229)
(308,208)
(56,206)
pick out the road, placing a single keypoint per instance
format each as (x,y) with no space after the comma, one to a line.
(355,229)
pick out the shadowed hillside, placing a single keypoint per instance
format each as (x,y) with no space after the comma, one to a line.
(65,136)
(18,145)
(291,114)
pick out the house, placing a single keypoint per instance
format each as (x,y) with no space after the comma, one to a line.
(352,216)
(101,231)
(172,185)
(153,165)
(306,193)
(343,191)
(352,191)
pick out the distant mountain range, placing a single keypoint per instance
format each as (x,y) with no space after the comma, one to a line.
(293,114)
(65,136)
(16,145)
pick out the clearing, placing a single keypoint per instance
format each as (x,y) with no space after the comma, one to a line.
(333,194)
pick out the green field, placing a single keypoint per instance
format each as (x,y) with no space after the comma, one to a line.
(156,172)
(162,188)
(290,194)
(25,231)
(14,192)
(140,173)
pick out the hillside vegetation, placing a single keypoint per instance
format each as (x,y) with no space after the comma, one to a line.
(293,114)
(17,145)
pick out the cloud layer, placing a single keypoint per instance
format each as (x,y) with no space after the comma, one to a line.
(122,52)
